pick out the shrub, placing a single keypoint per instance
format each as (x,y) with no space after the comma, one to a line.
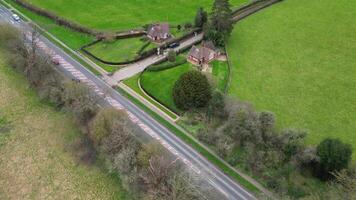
(57,19)
(80,100)
(216,106)
(167,65)
(207,136)
(192,90)
(172,55)
(201,17)
(188,25)
(334,156)
(103,123)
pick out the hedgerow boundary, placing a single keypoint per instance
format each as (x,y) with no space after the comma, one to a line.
(57,19)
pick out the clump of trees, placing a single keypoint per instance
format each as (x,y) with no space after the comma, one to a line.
(248,138)
(146,169)
(192,90)
(220,24)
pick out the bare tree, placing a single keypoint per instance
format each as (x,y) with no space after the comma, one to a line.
(80,100)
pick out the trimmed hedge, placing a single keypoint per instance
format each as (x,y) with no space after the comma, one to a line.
(167,65)
(139,52)
(59,20)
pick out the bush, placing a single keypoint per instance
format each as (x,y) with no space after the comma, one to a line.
(206,136)
(57,19)
(201,17)
(167,65)
(216,106)
(192,90)
(172,55)
(334,156)
(103,123)
(188,25)
(80,100)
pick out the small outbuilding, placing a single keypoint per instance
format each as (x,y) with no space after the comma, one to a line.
(202,55)
(159,32)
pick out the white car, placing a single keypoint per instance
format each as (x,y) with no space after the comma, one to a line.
(16,17)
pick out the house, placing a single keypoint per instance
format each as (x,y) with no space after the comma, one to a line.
(202,55)
(158,32)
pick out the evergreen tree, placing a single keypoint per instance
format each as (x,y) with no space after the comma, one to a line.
(220,25)
(221,17)
(201,17)
(334,156)
(192,90)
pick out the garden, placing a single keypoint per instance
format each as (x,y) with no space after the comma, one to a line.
(158,84)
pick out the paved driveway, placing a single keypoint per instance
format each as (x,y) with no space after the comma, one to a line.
(135,68)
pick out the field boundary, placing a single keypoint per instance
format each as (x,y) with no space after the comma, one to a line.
(229,69)
(57,19)
(251,8)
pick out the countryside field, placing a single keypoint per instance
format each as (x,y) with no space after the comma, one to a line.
(297,59)
(36,157)
(115,15)
(124,14)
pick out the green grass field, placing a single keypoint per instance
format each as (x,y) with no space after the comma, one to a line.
(297,59)
(119,50)
(124,14)
(36,157)
(113,15)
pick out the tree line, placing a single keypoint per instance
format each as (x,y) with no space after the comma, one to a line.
(147,170)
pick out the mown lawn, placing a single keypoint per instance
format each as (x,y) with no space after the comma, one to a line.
(119,50)
(221,74)
(36,156)
(297,59)
(160,84)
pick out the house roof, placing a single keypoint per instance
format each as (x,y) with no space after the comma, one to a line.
(201,52)
(158,30)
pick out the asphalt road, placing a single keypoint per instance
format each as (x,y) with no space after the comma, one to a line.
(73,69)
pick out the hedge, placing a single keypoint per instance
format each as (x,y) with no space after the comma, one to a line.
(139,52)
(59,20)
(167,65)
